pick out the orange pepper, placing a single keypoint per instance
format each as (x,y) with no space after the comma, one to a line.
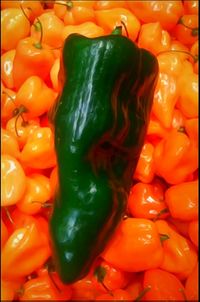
(165,98)
(182,227)
(35,96)
(13,180)
(7,104)
(147,201)
(25,250)
(110,18)
(84,289)
(194,232)
(34,7)
(155,130)
(37,193)
(117,294)
(54,75)
(135,286)
(145,167)
(182,200)
(87,29)
(191,285)
(195,52)
(175,157)
(191,6)
(102,4)
(183,50)
(43,288)
(180,256)
(14,27)
(54,181)
(178,120)
(52,28)
(75,12)
(9,143)
(192,130)
(134,239)
(31,61)
(186,30)
(167,13)
(9,289)
(7,68)
(188,95)
(153,38)
(108,278)
(162,286)
(38,152)
(170,63)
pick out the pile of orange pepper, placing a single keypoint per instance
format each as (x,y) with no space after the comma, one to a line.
(153,254)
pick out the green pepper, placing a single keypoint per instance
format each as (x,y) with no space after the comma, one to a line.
(100,123)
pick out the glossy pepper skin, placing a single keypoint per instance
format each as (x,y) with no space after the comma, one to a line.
(100,122)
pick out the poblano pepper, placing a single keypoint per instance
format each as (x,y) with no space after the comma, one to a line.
(100,124)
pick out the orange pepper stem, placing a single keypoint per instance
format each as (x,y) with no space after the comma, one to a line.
(8,215)
(122,22)
(19,112)
(163,211)
(142,293)
(100,273)
(10,97)
(38,27)
(194,30)
(163,237)
(182,129)
(183,293)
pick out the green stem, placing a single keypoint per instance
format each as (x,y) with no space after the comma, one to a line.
(126,30)
(141,295)
(194,30)
(117,30)
(163,237)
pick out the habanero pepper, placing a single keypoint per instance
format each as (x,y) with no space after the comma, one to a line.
(100,122)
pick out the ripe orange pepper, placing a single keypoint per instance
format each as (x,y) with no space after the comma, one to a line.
(35,96)
(108,278)
(191,6)
(13,180)
(134,239)
(186,195)
(25,250)
(186,30)
(31,60)
(145,167)
(75,12)
(9,144)
(7,104)
(43,288)
(195,52)
(54,181)
(153,38)
(37,193)
(84,289)
(165,97)
(51,29)
(178,120)
(188,96)
(180,256)
(34,7)
(117,294)
(183,50)
(135,287)
(9,289)
(191,285)
(102,4)
(87,29)
(155,130)
(167,13)
(193,231)
(163,286)
(21,129)
(14,27)
(54,75)
(38,152)
(147,200)
(182,227)
(7,68)
(4,233)
(175,157)
(170,63)
(110,18)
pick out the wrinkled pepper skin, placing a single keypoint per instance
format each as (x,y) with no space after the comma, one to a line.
(100,123)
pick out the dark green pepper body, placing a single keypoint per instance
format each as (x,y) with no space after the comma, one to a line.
(100,124)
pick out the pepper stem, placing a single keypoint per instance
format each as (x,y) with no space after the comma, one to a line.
(117,30)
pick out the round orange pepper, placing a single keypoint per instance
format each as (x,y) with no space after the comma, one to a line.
(178,120)
(117,294)
(13,180)
(9,289)
(7,104)
(35,96)
(14,27)
(102,4)
(4,233)
(192,129)
(194,232)
(170,63)
(182,200)
(167,13)
(110,18)
(153,38)
(186,31)
(180,256)
(162,286)
(37,193)
(9,143)
(191,6)
(135,286)
(7,68)
(38,151)
(134,239)
(87,29)
(155,130)
(147,201)
(32,60)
